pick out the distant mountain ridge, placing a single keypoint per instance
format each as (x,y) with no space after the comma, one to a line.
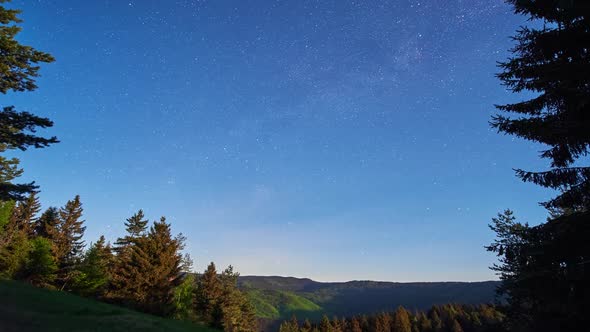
(280,297)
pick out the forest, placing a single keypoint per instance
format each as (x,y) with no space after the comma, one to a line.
(448,317)
(542,267)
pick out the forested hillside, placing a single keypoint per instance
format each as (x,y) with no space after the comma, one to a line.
(280,297)
(439,318)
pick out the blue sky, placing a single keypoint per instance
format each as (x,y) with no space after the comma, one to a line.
(334,140)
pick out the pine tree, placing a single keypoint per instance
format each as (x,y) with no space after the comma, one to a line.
(510,246)
(40,268)
(336,325)
(294,322)
(249,321)
(285,327)
(155,269)
(136,227)
(553,62)
(25,214)
(435,319)
(383,322)
(424,323)
(456,327)
(184,297)
(45,225)
(344,325)
(355,325)
(14,251)
(68,233)
(67,240)
(121,284)
(306,327)
(15,245)
(19,63)
(94,270)
(6,208)
(365,325)
(18,70)
(230,301)
(208,296)
(325,325)
(401,321)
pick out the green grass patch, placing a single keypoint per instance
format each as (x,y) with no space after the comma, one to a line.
(275,304)
(26,308)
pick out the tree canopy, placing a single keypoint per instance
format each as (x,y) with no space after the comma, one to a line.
(19,69)
(544,268)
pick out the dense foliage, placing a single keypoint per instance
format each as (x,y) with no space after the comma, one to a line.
(278,298)
(18,70)
(444,318)
(145,270)
(544,268)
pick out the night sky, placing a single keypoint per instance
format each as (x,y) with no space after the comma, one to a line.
(334,140)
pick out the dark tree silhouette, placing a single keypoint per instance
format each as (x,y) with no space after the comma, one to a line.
(553,62)
(545,268)
(18,70)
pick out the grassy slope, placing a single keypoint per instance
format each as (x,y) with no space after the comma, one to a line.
(275,304)
(25,308)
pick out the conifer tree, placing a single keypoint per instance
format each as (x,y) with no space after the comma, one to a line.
(45,225)
(544,268)
(435,319)
(40,268)
(18,70)
(325,325)
(294,322)
(68,233)
(355,325)
(67,240)
(306,327)
(290,326)
(423,323)
(365,325)
(19,63)
(25,214)
(553,62)
(14,251)
(285,327)
(6,208)
(209,295)
(184,298)
(231,301)
(94,270)
(344,325)
(154,270)
(136,227)
(336,325)
(249,321)
(383,322)
(456,327)
(401,321)
(121,284)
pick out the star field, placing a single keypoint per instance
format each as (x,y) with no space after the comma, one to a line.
(328,139)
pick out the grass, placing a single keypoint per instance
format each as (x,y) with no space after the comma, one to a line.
(275,304)
(26,308)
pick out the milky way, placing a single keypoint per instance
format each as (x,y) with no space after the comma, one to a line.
(328,139)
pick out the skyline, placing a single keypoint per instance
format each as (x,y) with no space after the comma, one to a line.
(310,140)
